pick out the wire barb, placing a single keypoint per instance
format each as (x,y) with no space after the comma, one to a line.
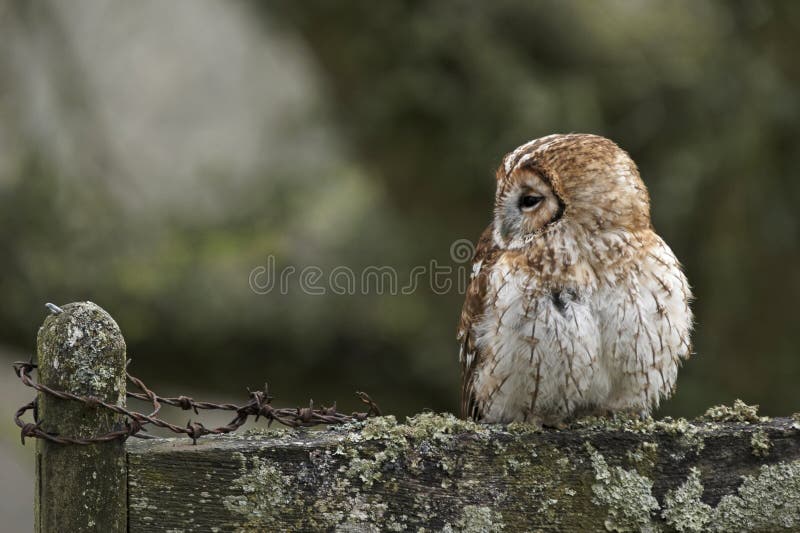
(259,405)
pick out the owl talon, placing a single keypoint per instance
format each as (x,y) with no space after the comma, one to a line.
(555,424)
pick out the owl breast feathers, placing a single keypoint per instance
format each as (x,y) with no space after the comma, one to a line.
(576,306)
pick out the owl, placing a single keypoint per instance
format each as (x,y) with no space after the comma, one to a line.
(575,305)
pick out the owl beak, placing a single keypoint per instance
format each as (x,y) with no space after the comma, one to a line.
(505,231)
(508,228)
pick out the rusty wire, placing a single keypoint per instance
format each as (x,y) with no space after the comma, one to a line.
(259,405)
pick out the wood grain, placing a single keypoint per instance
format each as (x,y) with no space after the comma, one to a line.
(436,473)
(80,488)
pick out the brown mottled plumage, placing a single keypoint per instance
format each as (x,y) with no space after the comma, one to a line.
(576,305)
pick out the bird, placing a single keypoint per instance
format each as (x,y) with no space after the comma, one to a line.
(575,305)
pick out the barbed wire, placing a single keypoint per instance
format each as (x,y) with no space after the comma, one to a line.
(259,405)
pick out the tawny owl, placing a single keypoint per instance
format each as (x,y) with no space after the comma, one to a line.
(576,306)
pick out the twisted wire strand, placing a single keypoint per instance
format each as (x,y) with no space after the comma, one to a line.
(259,405)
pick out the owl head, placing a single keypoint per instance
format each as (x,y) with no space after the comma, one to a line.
(578,180)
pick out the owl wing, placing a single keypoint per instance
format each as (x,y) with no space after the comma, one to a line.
(485,255)
(647,325)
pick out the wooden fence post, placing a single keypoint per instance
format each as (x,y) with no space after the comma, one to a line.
(81,487)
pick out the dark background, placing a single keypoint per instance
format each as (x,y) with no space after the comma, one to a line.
(153,154)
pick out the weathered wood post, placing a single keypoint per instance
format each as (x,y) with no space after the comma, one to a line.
(730,470)
(81,487)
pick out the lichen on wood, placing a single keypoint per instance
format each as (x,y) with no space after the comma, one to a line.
(81,488)
(731,469)
(438,473)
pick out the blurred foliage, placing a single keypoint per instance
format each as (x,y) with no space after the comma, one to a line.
(417,102)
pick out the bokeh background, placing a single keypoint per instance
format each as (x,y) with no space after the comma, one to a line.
(152,154)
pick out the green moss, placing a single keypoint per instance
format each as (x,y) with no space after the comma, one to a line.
(543,479)
(368,470)
(763,502)
(434,426)
(81,350)
(740,412)
(626,494)
(80,339)
(619,422)
(379,449)
(437,429)
(260,491)
(770,499)
(683,509)
(379,475)
(515,464)
(760,443)
(479,519)
(691,437)
(364,515)
(522,428)
(259,433)
(644,456)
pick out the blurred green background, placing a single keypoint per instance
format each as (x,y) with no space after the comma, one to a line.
(152,154)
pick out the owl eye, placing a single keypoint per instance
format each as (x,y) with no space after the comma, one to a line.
(529,201)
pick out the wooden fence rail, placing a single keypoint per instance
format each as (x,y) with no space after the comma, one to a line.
(729,471)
